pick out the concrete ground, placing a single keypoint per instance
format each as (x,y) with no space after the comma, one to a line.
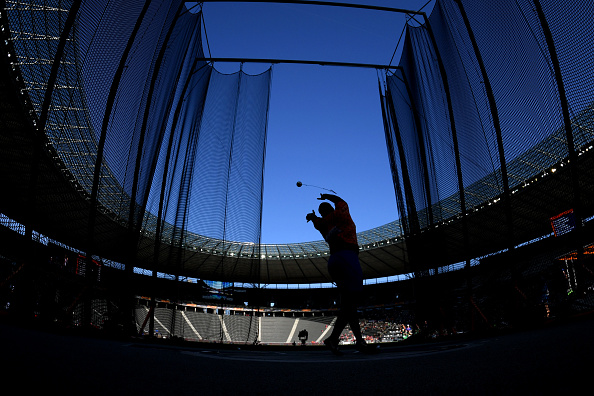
(550,359)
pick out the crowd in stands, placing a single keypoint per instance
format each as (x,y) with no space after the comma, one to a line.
(272,330)
(375,331)
(381,325)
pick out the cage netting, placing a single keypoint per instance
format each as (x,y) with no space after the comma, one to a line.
(157,140)
(165,155)
(515,56)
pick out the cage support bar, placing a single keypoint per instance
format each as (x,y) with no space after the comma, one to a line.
(294,61)
(323,3)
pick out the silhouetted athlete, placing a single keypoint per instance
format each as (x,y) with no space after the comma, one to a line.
(339,231)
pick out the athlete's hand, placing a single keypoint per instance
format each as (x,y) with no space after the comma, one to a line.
(310,216)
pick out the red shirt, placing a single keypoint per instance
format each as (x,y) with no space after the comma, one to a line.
(338,229)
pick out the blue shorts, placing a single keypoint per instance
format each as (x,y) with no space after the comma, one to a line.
(345,270)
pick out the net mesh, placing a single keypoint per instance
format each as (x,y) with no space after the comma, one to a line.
(516,58)
(154,138)
(475,116)
(168,154)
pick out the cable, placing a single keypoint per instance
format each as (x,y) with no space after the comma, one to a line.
(397,45)
(205,35)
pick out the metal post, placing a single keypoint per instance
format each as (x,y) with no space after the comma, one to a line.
(496,125)
(384,101)
(446,88)
(322,3)
(296,61)
(134,228)
(106,117)
(40,136)
(422,150)
(573,160)
(414,226)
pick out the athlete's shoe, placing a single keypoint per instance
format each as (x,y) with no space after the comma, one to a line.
(333,346)
(364,347)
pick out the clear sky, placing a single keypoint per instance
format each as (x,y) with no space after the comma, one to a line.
(325,126)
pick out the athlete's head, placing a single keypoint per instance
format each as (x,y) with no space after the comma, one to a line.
(325,208)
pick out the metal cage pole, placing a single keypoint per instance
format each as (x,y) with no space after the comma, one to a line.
(414,225)
(134,210)
(502,162)
(106,118)
(446,88)
(400,202)
(573,158)
(423,152)
(322,3)
(40,136)
(496,123)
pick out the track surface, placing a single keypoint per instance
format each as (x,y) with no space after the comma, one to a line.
(556,358)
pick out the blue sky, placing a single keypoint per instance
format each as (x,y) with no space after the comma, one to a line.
(325,125)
